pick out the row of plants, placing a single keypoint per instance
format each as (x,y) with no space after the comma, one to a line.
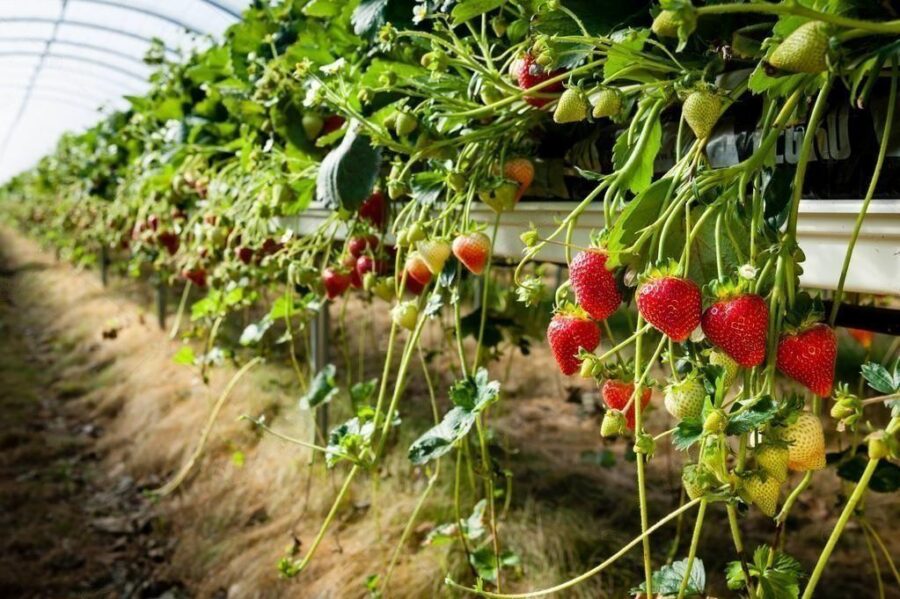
(404,121)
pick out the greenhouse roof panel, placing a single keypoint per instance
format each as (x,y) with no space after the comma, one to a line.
(65,59)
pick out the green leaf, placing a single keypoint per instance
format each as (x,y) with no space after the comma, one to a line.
(321,390)
(622,51)
(350,440)
(752,418)
(371,15)
(254,332)
(475,393)
(361,393)
(438,440)
(780,581)
(878,377)
(185,356)
(667,580)
(640,212)
(469,9)
(687,433)
(426,188)
(348,173)
(885,479)
(638,176)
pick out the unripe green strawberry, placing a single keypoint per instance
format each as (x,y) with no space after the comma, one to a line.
(719,358)
(693,485)
(571,107)
(613,424)
(384,289)
(456,181)
(701,111)
(804,50)
(684,399)
(312,125)
(664,24)
(502,198)
(806,443)
(762,493)
(587,369)
(715,422)
(435,254)
(773,459)
(878,447)
(405,124)
(607,103)
(405,314)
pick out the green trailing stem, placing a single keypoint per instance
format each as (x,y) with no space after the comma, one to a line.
(586,575)
(870,193)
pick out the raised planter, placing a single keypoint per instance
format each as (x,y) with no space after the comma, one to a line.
(824,230)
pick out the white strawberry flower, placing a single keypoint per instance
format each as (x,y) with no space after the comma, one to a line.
(747,271)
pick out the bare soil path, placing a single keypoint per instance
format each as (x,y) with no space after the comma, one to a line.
(68,527)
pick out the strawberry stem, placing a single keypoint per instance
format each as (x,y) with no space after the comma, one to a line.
(870,192)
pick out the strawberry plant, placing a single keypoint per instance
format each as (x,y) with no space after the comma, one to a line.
(405,123)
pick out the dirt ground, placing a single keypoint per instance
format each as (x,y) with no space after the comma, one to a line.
(96,413)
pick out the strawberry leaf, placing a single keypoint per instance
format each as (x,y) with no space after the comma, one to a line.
(322,389)
(349,441)
(440,439)
(763,411)
(687,433)
(886,478)
(667,580)
(878,377)
(469,9)
(348,173)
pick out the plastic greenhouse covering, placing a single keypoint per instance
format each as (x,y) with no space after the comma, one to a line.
(63,60)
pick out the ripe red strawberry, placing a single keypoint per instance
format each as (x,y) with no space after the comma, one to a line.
(671,304)
(594,285)
(270,246)
(472,250)
(570,331)
(520,170)
(529,73)
(739,326)
(412,285)
(332,123)
(366,264)
(196,275)
(862,337)
(808,357)
(616,394)
(417,269)
(349,263)
(244,254)
(335,282)
(169,240)
(374,209)
(358,245)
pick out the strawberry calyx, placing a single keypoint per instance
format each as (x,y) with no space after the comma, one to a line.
(806,313)
(571,310)
(727,288)
(661,270)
